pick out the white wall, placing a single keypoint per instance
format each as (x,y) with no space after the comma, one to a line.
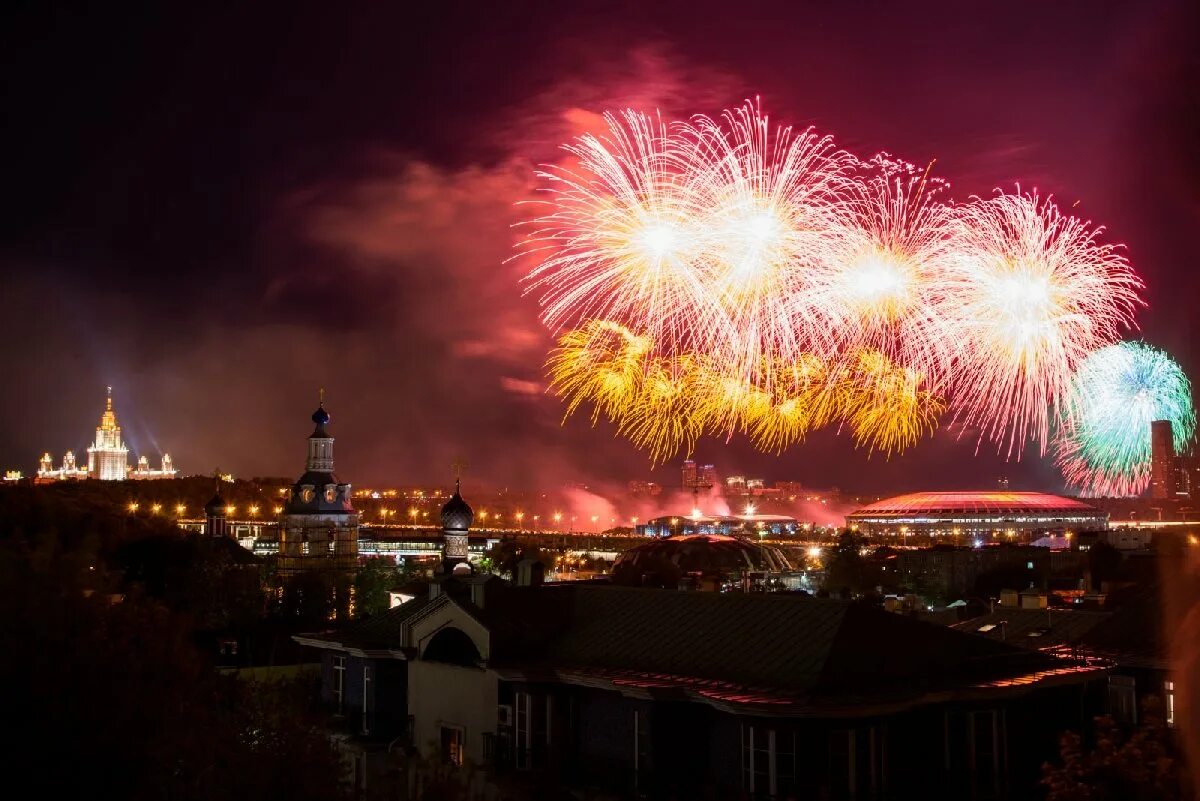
(449,695)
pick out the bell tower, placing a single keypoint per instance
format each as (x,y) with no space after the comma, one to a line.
(319,527)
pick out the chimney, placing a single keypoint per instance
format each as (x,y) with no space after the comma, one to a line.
(530,573)
(479,591)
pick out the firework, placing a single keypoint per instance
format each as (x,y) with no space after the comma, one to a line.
(703,237)
(663,417)
(888,406)
(620,238)
(889,287)
(769,197)
(603,364)
(1104,447)
(723,276)
(1035,293)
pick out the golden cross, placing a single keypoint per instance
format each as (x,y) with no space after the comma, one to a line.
(458,466)
(321,395)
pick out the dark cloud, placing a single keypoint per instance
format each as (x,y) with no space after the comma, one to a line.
(219,212)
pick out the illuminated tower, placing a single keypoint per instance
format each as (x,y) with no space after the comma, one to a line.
(108,458)
(456,523)
(319,527)
(1162,460)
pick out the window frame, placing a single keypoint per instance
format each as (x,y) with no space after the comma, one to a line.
(339,682)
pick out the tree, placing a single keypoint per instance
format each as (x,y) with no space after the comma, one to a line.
(506,554)
(135,710)
(1137,765)
(376,577)
(845,569)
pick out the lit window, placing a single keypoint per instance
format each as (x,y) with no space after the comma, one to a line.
(1169,701)
(452,745)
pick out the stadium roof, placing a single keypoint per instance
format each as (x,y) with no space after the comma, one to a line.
(977,503)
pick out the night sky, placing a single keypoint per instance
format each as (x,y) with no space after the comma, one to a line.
(218,208)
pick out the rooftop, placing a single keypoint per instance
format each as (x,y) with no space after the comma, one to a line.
(759,649)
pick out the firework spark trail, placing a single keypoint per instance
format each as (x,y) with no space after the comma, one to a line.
(1119,390)
(1036,293)
(769,196)
(621,235)
(889,287)
(722,276)
(888,406)
(603,364)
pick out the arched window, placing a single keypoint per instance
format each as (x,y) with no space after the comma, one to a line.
(452,646)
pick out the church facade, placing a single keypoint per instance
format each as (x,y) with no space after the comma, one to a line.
(108,457)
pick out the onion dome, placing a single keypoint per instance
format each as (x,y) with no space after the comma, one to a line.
(216,506)
(456,514)
(320,416)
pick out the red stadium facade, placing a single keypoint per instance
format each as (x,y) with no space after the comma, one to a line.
(993,515)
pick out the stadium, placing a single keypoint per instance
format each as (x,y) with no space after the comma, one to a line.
(976,515)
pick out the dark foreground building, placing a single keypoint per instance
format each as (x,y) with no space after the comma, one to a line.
(653,693)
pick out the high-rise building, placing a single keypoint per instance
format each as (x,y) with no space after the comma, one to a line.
(1188,471)
(690,474)
(699,477)
(1162,460)
(319,527)
(108,457)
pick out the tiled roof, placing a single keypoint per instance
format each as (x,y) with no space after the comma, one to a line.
(755,640)
(763,651)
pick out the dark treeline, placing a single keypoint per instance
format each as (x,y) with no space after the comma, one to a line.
(102,616)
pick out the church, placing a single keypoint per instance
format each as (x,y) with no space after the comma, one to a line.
(108,457)
(318,534)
